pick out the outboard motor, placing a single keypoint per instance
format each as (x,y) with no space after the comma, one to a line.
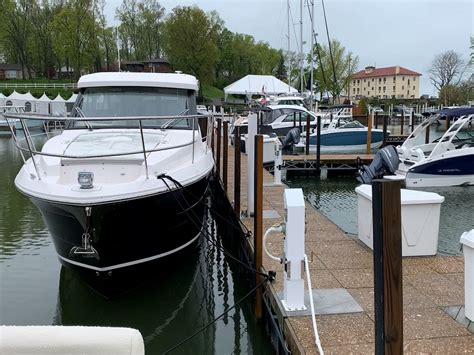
(292,137)
(385,162)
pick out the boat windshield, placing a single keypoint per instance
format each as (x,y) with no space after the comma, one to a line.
(134,101)
(352,124)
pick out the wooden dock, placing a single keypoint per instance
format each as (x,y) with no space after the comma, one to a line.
(433,287)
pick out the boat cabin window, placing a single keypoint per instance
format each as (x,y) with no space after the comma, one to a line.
(352,124)
(135,101)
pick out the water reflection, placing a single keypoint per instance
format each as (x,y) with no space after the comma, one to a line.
(35,290)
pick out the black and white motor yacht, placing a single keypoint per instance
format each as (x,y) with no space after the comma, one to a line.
(125,183)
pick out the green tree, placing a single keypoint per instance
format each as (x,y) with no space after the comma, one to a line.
(280,71)
(459,94)
(337,70)
(190,39)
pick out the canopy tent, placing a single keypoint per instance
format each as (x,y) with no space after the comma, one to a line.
(27,101)
(58,106)
(2,99)
(43,105)
(258,84)
(70,102)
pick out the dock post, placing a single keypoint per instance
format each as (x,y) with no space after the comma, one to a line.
(318,145)
(213,134)
(307,133)
(225,154)
(447,122)
(237,171)
(250,149)
(427,134)
(384,139)
(218,147)
(402,121)
(412,120)
(376,120)
(258,221)
(369,132)
(388,292)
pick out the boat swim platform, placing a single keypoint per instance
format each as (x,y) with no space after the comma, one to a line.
(338,163)
(433,287)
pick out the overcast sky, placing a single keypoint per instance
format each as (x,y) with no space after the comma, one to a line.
(381,32)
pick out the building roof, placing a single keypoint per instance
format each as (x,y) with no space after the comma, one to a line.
(143,62)
(10,66)
(371,72)
(160,80)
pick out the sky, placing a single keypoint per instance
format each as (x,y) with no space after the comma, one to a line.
(383,33)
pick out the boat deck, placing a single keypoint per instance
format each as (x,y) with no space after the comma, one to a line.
(433,287)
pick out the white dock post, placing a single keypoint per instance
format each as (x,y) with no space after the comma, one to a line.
(467,239)
(278,163)
(293,285)
(249,149)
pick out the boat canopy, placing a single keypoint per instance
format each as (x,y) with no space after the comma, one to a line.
(258,85)
(457,112)
(159,80)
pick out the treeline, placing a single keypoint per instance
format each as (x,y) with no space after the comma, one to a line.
(72,36)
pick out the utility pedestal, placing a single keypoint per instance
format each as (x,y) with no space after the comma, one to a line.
(467,240)
(293,286)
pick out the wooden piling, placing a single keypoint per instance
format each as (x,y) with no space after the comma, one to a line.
(384,139)
(237,171)
(369,133)
(412,121)
(376,120)
(225,154)
(258,220)
(218,147)
(318,145)
(402,122)
(427,134)
(388,292)
(447,123)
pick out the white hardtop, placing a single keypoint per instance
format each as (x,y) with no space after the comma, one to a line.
(160,80)
(294,107)
(408,197)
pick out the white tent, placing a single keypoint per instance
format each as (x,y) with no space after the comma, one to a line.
(258,84)
(42,105)
(27,101)
(58,106)
(70,102)
(2,99)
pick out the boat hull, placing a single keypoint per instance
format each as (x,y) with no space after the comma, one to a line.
(342,138)
(126,235)
(449,171)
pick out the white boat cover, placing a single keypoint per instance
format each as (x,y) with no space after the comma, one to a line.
(70,340)
(258,84)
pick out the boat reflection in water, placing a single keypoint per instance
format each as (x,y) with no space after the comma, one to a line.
(173,305)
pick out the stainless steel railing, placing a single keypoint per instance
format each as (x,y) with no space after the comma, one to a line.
(31,148)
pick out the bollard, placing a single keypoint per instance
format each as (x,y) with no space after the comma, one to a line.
(278,163)
(252,131)
(293,284)
(225,154)
(237,171)
(258,221)
(388,292)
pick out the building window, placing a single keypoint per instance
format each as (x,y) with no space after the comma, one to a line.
(384,89)
(354,91)
(393,79)
(394,88)
(357,90)
(408,92)
(413,87)
(380,88)
(403,78)
(408,81)
(358,81)
(384,79)
(414,79)
(364,80)
(372,79)
(373,89)
(380,80)
(403,87)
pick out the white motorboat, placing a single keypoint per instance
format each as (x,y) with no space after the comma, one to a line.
(447,161)
(124,184)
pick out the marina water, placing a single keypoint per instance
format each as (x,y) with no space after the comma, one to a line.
(36,290)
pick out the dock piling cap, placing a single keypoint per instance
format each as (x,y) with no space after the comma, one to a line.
(467,238)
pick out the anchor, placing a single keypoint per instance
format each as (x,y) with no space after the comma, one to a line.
(86,250)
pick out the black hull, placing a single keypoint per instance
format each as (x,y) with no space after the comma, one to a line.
(129,237)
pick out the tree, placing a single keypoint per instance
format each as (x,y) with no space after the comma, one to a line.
(458,94)
(447,68)
(190,41)
(333,74)
(280,71)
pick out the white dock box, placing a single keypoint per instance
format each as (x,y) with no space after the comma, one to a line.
(420,220)
(467,240)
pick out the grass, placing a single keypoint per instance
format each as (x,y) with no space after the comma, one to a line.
(210,91)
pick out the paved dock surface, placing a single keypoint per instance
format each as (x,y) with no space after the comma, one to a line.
(433,287)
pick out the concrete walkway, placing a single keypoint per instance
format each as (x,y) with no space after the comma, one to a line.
(433,287)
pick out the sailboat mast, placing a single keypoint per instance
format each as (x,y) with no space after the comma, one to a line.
(312,52)
(289,56)
(301,48)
